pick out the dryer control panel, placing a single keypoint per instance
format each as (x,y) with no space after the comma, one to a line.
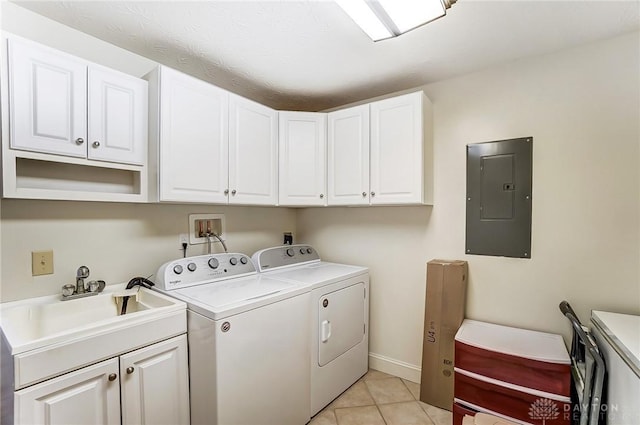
(201,269)
(283,256)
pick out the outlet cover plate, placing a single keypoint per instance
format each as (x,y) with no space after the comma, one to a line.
(193,236)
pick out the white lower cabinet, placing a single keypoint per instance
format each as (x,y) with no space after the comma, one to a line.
(147,386)
(154,384)
(87,396)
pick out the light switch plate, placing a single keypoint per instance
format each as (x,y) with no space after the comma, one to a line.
(41,263)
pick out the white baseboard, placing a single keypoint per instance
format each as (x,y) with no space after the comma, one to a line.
(394,367)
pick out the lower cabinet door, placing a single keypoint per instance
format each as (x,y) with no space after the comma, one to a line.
(155,384)
(89,396)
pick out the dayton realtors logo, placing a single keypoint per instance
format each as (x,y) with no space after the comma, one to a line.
(544,409)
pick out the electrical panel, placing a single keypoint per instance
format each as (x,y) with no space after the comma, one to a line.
(499,197)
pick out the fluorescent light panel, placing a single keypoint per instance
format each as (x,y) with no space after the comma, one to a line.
(362,14)
(409,14)
(405,14)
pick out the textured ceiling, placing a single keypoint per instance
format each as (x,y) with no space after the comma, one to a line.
(309,55)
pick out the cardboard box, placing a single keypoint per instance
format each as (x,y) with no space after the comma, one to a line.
(443,314)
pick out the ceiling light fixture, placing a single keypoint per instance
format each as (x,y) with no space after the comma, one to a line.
(382,19)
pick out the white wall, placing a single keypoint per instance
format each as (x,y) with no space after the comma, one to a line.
(582,108)
(116,241)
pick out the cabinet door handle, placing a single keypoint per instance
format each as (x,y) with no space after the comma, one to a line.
(373,194)
(226,191)
(233,192)
(112,377)
(130,370)
(321,195)
(364,194)
(96,144)
(79,141)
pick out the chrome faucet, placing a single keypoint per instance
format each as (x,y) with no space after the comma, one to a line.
(81,275)
(79,290)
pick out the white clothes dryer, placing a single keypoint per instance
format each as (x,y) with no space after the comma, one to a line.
(248,341)
(339,316)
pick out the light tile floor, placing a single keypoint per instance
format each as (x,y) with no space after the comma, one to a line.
(381,399)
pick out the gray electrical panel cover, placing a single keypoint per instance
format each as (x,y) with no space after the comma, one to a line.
(499,198)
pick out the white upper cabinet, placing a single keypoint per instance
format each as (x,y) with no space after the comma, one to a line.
(193,138)
(117,117)
(253,153)
(302,158)
(401,150)
(380,153)
(348,156)
(50,94)
(47,100)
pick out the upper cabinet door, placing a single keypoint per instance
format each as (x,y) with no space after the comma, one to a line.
(397,150)
(193,139)
(253,153)
(117,117)
(47,100)
(348,156)
(302,153)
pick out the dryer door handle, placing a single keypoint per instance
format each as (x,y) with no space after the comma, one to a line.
(326,331)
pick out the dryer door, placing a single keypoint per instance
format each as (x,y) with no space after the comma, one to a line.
(340,322)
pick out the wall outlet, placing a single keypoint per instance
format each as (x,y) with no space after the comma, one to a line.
(41,263)
(200,224)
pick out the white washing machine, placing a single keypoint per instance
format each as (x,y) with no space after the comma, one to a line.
(248,341)
(339,316)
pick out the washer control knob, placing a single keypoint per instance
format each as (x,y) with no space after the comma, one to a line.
(302,251)
(214,263)
(243,260)
(309,250)
(177,269)
(290,252)
(192,267)
(233,261)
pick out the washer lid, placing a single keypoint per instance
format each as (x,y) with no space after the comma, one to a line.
(220,295)
(534,345)
(315,274)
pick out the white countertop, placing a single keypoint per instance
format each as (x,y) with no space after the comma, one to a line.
(623,331)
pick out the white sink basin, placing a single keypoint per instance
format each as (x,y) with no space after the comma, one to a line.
(38,322)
